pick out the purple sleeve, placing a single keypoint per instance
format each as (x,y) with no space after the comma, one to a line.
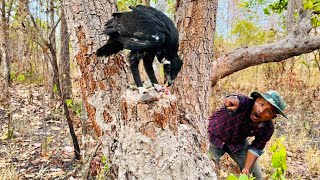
(243,102)
(261,139)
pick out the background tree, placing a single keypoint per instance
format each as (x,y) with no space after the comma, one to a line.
(6,59)
(65,57)
(43,33)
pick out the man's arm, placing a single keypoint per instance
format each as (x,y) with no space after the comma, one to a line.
(256,148)
(250,160)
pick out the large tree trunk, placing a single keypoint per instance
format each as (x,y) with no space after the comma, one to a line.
(195,22)
(196,25)
(141,140)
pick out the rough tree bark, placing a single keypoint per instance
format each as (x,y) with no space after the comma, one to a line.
(6,61)
(5,41)
(195,22)
(196,25)
(65,58)
(141,140)
(293,6)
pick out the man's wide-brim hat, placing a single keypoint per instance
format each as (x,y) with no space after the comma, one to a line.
(274,98)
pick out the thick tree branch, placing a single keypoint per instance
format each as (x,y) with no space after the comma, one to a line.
(255,55)
(296,43)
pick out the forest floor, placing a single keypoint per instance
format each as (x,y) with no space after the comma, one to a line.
(25,156)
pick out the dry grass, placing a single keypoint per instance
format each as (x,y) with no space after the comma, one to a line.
(8,173)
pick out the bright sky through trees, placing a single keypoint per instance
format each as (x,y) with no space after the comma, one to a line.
(232,11)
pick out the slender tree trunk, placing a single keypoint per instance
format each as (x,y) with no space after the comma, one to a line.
(53,50)
(5,44)
(54,64)
(65,58)
(6,64)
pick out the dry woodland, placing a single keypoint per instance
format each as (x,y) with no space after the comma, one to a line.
(67,114)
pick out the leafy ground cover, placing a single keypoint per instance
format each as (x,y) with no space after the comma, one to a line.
(25,156)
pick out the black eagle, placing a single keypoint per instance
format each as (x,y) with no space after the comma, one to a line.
(147,32)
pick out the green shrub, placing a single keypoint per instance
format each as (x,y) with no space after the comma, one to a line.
(75,106)
(21,78)
(278,160)
(241,177)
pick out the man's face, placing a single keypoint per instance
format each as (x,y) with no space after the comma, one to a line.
(262,111)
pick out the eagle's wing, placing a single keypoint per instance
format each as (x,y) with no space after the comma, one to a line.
(142,40)
(136,30)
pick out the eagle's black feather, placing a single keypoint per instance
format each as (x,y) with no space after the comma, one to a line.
(147,32)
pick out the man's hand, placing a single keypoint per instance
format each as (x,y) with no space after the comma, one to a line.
(231,103)
(245,171)
(250,160)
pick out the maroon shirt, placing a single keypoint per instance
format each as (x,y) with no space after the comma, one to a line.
(232,128)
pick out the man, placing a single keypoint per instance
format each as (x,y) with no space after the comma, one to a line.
(240,118)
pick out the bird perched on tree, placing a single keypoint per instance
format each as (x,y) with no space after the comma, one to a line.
(147,32)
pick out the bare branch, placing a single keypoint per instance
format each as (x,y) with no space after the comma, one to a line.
(32,19)
(54,28)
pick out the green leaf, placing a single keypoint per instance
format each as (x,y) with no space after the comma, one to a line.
(243,177)
(13,75)
(282,153)
(55,88)
(104,159)
(232,177)
(273,147)
(266,11)
(276,160)
(21,78)
(69,102)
